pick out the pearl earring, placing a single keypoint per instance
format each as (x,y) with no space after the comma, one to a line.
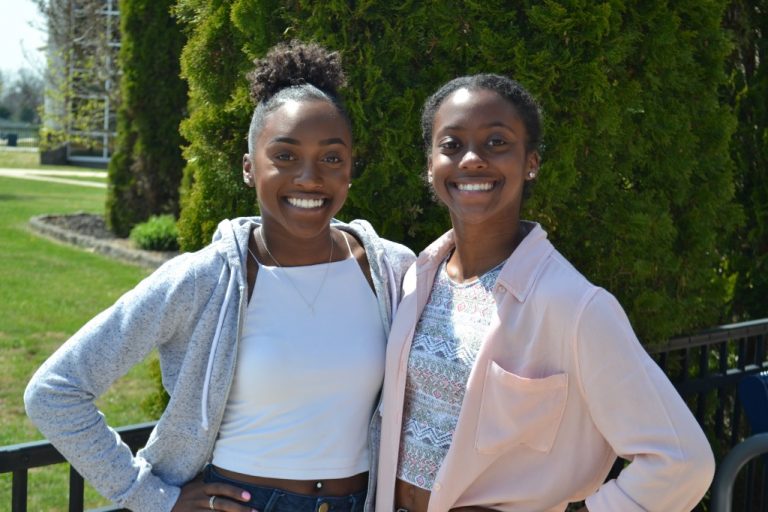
(429,178)
(531,174)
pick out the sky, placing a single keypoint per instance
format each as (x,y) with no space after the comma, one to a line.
(21,36)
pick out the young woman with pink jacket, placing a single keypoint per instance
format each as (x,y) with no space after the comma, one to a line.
(512,383)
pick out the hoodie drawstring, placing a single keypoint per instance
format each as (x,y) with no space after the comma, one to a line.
(209,370)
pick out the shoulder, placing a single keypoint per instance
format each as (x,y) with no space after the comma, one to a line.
(559,285)
(398,255)
(184,277)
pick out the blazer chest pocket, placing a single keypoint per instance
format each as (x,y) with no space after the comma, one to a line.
(516,410)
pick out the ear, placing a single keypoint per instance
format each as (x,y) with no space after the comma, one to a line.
(247,170)
(532,165)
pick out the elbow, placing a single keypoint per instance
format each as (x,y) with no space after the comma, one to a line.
(33,401)
(698,470)
(705,468)
(36,401)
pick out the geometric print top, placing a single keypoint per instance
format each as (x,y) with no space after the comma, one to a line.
(446,341)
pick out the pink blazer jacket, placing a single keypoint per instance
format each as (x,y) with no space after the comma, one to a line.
(561,386)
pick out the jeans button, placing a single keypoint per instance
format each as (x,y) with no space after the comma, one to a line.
(323,507)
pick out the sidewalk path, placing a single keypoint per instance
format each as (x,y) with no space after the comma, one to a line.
(57,176)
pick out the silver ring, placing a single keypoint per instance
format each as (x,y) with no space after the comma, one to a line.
(210,502)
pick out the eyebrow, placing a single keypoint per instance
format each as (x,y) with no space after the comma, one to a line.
(287,140)
(495,124)
(324,142)
(333,140)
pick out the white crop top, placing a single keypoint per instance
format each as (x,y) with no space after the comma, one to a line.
(306,383)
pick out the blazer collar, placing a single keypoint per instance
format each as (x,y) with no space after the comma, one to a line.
(518,274)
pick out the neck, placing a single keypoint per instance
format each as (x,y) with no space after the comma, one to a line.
(479,248)
(291,251)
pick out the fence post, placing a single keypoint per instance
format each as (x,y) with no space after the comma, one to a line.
(19,491)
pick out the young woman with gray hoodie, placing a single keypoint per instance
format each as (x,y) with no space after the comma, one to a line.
(271,339)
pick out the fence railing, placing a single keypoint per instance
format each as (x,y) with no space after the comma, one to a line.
(18,459)
(19,135)
(706,369)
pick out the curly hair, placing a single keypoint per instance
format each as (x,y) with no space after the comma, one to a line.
(295,71)
(511,90)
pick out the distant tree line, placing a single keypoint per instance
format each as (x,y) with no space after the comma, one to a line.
(21,96)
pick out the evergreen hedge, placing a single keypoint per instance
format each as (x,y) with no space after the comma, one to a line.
(636,187)
(146,167)
(748,22)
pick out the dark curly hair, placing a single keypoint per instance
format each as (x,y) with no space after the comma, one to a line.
(527,108)
(295,71)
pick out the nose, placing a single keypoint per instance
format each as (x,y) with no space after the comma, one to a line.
(471,160)
(308,176)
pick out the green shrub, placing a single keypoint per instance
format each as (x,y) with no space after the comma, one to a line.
(146,168)
(154,403)
(748,94)
(159,233)
(636,187)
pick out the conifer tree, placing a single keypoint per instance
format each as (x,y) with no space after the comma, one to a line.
(637,182)
(748,22)
(145,170)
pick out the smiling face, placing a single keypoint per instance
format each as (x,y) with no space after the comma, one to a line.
(478,162)
(301,167)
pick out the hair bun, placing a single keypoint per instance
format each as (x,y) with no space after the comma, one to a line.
(296,63)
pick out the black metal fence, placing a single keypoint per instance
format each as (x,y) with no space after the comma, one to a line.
(19,135)
(706,369)
(18,459)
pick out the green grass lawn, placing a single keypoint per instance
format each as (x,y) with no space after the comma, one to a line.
(47,291)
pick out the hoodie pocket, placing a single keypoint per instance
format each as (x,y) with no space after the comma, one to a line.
(517,410)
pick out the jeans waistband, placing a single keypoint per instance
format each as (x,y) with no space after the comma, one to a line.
(270,499)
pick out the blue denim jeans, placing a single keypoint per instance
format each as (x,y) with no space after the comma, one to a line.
(269,499)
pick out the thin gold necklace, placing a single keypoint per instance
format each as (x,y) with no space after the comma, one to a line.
(310,305)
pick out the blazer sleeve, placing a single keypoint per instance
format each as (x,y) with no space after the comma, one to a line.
(641,415)
(60,397)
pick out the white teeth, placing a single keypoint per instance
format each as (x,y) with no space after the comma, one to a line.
(305,203)
(472,187)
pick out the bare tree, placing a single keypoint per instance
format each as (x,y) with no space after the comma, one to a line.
(82,77)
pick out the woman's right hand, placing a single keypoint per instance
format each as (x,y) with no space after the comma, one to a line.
(196,497)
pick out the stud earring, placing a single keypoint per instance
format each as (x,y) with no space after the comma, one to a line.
(349,185)
(429,177)
(531,174)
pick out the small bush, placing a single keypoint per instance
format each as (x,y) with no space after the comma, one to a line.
(157,400)
(157,234)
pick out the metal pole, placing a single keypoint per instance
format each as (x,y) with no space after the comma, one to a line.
(722,487)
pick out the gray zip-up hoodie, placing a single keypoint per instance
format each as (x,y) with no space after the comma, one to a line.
(191,309)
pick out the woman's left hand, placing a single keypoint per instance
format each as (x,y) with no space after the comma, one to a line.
(197,495)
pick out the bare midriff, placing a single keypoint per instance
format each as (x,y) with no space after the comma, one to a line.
(410,497)
(326,487)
